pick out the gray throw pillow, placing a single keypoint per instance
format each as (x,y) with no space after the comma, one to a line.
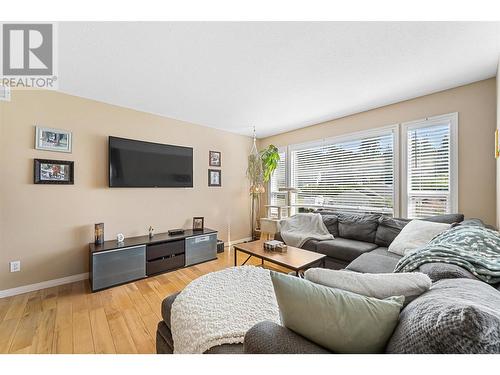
(455,316)
(440,271)
(381,285)
(340,321)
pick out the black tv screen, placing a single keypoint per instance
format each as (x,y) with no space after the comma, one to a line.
(145,164)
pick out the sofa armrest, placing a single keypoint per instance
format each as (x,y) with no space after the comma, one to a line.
(271,338)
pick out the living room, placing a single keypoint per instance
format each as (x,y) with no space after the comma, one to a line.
(270,193)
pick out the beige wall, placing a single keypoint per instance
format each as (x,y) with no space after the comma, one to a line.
(498,160)
(476,106)
(48,227)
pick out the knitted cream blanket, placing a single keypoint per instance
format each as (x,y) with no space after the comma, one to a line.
(220,307)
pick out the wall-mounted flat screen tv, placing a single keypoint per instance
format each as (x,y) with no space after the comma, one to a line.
(145,164)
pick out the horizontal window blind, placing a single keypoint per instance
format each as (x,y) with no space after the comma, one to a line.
(278,180)
(353,176)
(428,171)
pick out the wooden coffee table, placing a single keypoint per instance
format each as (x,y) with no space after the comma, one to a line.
(295,259)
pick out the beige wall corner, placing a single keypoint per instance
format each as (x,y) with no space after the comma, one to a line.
(48,227)
(498,160)
(476,105)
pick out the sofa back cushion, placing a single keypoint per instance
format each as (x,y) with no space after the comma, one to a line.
(332,224)
(454,316)
(388,229)
(361,227)
(331,221)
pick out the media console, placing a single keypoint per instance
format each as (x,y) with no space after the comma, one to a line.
(114,263)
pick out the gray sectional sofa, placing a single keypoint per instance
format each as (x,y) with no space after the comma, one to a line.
(360,245)
(361,240)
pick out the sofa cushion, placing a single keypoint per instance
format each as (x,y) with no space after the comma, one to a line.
(344,249)
(388,229)
(332,223)
(373,263)
(340,321)
(446,219)
(385,251)
(270,338)
(166,307)
(415,234)
(310,245)
(455,316)
(361,227)
(383,285)
(440,271)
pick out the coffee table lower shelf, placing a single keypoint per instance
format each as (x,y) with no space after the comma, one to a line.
(295,259)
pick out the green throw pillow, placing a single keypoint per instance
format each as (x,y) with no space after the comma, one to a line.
(340,321)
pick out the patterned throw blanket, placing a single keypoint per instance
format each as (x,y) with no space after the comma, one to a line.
(475,248)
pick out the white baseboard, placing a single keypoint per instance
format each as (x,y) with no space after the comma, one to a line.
(43,285)
(235,242)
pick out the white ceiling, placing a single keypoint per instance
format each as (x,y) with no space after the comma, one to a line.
(276,76)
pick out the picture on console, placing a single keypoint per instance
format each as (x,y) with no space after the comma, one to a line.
(198,223)
(53,172)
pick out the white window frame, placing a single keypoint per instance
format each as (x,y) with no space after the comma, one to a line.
(452,118)
(394,128)
(281,149)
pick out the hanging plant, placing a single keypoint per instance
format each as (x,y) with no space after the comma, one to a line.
(270,158)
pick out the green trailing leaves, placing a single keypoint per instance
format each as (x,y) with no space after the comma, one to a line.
(270,158)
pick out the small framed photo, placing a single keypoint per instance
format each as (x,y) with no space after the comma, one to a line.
(198,223)
(214,158)
(53,139)
(214,177)
(58,172)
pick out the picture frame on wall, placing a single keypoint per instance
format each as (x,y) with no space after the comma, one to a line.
(214,158)
(198,223)
(50,139)
(214,177)
(58,172)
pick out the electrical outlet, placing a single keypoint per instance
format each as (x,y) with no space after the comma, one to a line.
(15,266)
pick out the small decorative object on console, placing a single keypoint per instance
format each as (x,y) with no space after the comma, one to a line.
(274,245)
(173,232)
(99,233)
(198,223)
(151,232)
(120,237)
(220,246)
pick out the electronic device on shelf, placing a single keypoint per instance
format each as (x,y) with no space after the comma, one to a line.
(173,232)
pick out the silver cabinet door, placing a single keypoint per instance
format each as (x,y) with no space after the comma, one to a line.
(201,248)
(118,266)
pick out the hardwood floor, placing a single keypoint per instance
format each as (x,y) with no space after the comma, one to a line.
(71,319)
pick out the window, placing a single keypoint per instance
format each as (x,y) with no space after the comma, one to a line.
(354,175)
(431,161)
(278,180)
(359,173)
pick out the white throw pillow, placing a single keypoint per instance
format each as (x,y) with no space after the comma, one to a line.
(377,285)
(416,234)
